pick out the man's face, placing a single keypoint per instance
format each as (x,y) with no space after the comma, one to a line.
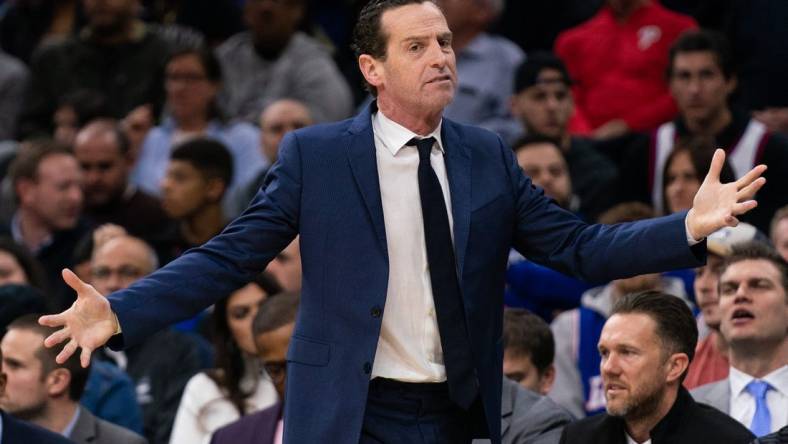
(545,108)
(706,281)
(185,190)
(286,267)
(780,237)
(55,195)
(104,167)
(109,16)
(26,390)
(273,21)
(521,369)
(698,85)
(546,167)
(119,263)
(11,272)
(633,366)
(752,303)
(418,75)
(278,119)
(272,348)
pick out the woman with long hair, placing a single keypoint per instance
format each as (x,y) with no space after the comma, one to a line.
(237,385)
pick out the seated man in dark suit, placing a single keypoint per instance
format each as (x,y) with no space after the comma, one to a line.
(14,431)
(272,329)
(646,346)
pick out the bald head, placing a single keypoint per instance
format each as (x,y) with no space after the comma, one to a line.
(120,262)
(101,149)
(278,119)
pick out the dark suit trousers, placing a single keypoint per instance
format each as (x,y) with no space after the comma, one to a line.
(399,412)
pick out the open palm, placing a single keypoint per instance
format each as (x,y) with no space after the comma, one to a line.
(87,324)
(717,205)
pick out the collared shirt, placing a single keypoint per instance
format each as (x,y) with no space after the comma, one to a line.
(632,441)
(409,347)
(279,434)
(16,233)
(742,404)
(70,426)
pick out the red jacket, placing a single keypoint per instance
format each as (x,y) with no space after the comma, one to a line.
(619,68)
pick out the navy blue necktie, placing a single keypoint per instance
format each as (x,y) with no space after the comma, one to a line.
(457,356)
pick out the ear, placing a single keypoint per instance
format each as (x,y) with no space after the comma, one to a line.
(676,364)
(24,189)
(58,382)
(731,84)
(372,69)
(547,379)
(215,189)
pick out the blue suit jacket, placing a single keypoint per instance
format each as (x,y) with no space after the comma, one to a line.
(20,432)
(325,188)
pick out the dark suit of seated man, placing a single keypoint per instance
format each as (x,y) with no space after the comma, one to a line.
(646,347)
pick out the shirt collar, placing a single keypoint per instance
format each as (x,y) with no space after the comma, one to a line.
(16,234)
(777,379)
(394,136)
(71,424)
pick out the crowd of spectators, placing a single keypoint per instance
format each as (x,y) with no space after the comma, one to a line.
(133,130)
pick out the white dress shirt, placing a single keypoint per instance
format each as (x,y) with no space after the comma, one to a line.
(632,441)
(409,347)
(742,405)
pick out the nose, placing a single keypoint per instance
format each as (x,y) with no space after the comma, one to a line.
(439,54)
(609,365)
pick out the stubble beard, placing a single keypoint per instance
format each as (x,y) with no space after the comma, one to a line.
(640,405)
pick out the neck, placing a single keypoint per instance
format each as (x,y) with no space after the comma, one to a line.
(192,124)
(57,417)
(640,428)
(34,230)
(711,126)
(203,225)
(566,142)
(758,360)
(720,343)
(421,124)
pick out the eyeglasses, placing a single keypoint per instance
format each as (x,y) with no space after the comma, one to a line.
(276,370)
(124,272)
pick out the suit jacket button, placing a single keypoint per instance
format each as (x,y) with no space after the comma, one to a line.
(367,367)
(376,312)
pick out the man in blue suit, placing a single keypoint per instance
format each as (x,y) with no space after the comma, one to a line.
(405,222)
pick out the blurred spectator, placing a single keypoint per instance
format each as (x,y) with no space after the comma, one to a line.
(646,347)
(237,386)
(109,395)
(617,60)
(683,174)
(161,365)
(779,231)
(193,79)
(543,104)
(14,78)
(136,126)
(26,24)
(47,182)
(541,160)
(47,394)
(529,417)
(215,19)
(272,328)
(528,350)
(754,315)
(272,60)
(578,385)
(18,266)
(711,354)
(485,67)
(197,178)
(701,78)
(74,110)
(15,431)
(18,300)
(114,54)
(277,119)
(102,150)
(285,268)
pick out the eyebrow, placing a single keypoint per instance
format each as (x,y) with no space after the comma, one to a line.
(447,34)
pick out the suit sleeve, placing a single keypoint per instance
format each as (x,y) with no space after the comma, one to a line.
(554,237)
(205,274)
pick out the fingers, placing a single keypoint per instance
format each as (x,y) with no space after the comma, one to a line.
(84,357)
(76,283)
(743,207)
(67,351)
(55,320)
(749,191)
(57,337)
(750,177)
(716,165)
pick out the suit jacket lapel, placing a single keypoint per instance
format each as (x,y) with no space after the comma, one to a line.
(363,163)
(458,168)
(85,428)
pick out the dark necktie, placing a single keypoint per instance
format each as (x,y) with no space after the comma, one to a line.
(457,357)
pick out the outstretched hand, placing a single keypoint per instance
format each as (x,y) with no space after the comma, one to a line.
(718,205)
(87,324)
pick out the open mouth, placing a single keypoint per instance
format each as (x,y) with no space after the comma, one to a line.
(742,316)
(438,79)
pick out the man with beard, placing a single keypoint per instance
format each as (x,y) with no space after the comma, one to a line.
(645,348)
(114,54)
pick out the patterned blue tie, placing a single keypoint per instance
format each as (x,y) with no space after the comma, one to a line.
(762,419)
